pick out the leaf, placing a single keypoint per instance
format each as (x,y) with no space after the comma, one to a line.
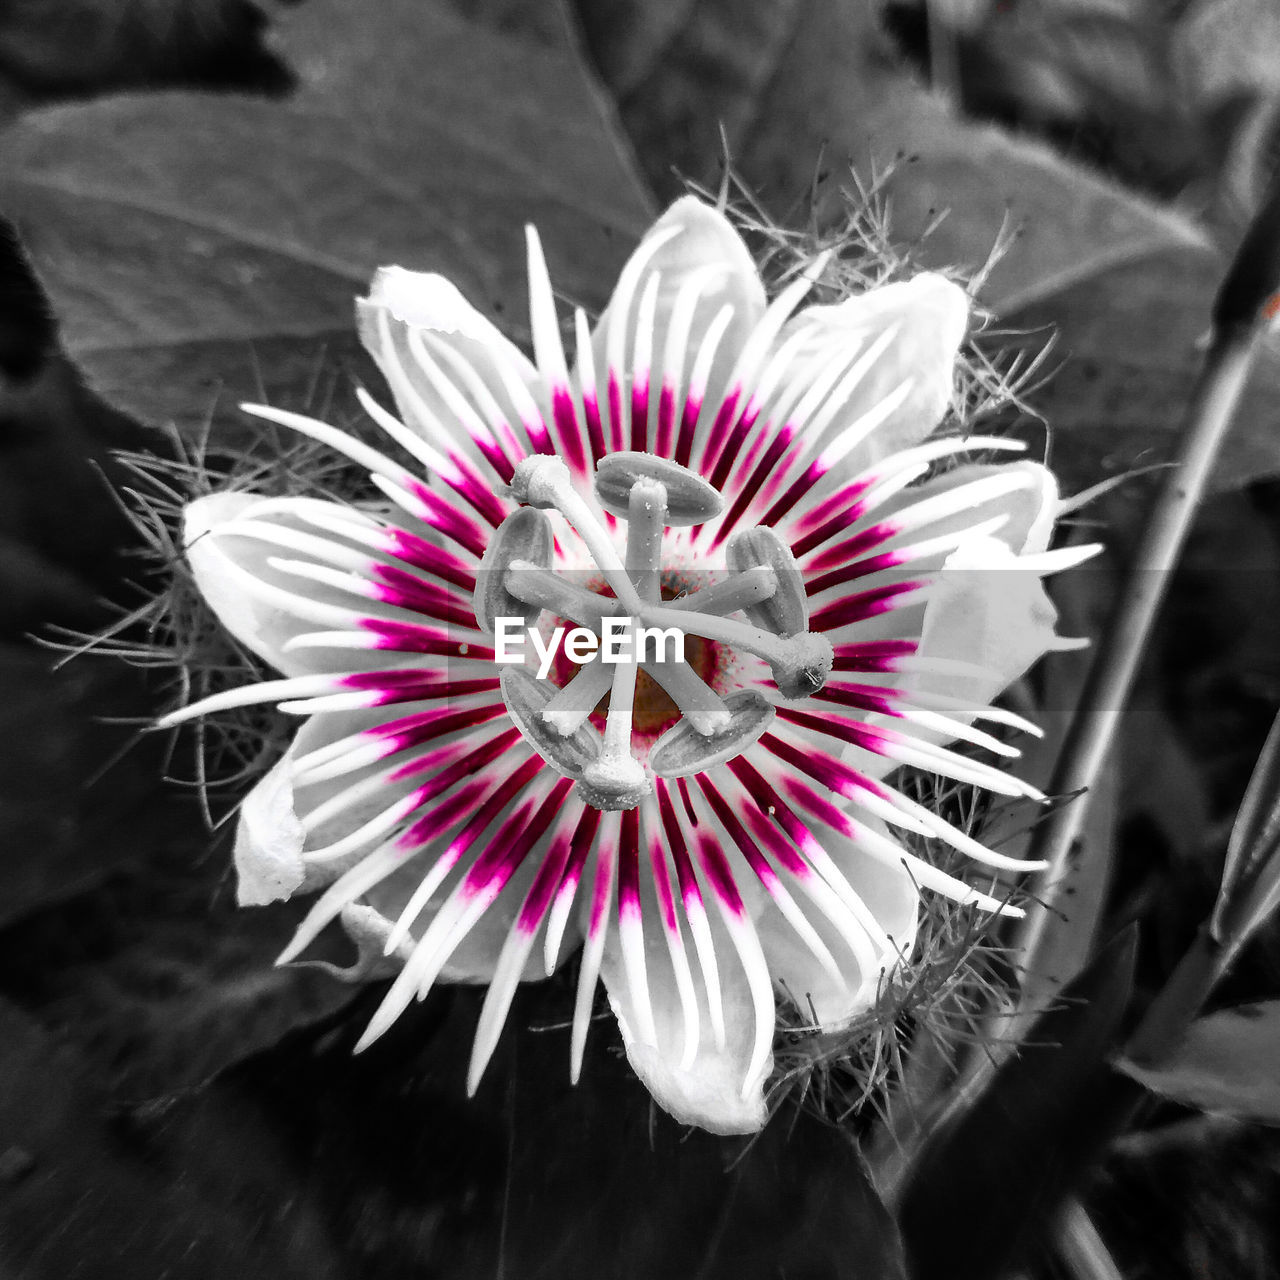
(1125,285)
(79,1201)
(985,1184)
(155,975)
(1223,48)
(535,1178)
(54,459)
(89,46)
(196,246)
(118,928)
(57,567)
(71,784)
(1226,1064)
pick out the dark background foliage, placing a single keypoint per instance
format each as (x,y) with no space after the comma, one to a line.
(193,190)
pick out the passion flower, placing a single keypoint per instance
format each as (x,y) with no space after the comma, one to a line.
(755,486)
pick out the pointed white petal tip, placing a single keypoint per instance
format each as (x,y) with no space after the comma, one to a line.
(370,1035)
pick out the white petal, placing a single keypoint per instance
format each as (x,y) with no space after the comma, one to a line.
(1028,512)
(227,567)
(402,302)
(269,840)
(892,899)
(989,612)
(270,835)
(704,243)
(368,929)
(928,315)
(714,1092)
(429,301)
(476,956)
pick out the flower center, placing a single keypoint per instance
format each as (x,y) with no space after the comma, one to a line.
(654,710)
(662,681)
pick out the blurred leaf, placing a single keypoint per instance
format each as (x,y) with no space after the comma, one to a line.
(1159,777)
(1226,1064)
(54,458)
(1126,285)
(983,1185)
(1225,47)
(94,45)
(535,1178)
(76,792)
(80,1202)
(155,974)
(64,540)
(198,249)
(27,331)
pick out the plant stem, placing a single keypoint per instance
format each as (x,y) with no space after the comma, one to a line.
(1213,404)
(1082,1250)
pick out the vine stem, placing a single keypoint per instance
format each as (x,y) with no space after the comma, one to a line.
(1247,302)
(1209,414)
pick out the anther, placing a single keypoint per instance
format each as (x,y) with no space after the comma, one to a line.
(524,536)
(682,751)
(526,697)
(690,499)
(800,665)
(787,610)
(543,481)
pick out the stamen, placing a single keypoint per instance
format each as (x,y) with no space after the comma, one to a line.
(546,589)
(799,664)
(682,751)
(570,706)
(544,482)
(690,499)
(786,612)
(616,779)
(747,587)
(524,536)
(646,521)
(700,705)
(527,699)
